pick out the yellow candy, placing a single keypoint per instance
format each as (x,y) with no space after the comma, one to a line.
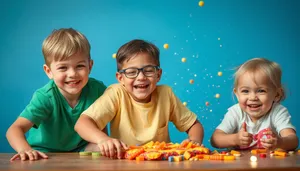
(220,73)
(184,103)
(114,55)
(217,96)
(201,3)
(166,46)
(191,81)
(183,59)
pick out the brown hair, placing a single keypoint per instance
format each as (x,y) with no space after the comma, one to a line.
(133,47)
(63,43)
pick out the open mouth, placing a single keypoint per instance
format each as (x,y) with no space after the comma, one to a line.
(72,83)
(254,106)
(141,86)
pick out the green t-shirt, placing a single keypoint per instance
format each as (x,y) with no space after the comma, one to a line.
(54,119)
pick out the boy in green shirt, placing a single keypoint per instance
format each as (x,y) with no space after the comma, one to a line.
(54,109)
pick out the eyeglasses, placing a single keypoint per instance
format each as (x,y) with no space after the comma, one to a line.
(148,71)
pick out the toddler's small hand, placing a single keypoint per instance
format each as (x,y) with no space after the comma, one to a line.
(271,142)
(29,154)
(244,138)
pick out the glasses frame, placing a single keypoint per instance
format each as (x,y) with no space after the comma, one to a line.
(123,71)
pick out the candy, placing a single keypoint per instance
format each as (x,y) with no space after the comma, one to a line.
(253,158)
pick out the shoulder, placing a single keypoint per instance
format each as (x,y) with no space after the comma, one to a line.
(164,89)
(47,90)
(235,109)
(278,109)
(94,83)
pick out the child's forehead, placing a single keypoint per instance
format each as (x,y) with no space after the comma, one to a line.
(258,77)
(139,59)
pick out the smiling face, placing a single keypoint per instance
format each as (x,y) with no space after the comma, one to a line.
(71,74)
(255,94)
(141,87)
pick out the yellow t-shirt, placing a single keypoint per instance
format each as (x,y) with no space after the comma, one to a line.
(137,123)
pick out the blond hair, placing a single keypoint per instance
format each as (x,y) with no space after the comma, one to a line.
(271,70)
(63,43)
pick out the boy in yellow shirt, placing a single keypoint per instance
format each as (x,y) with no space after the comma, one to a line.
(138,110)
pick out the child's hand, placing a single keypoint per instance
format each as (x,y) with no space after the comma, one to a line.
(244,139)
(271,142)
(29,154)
(112,148)
(189,140)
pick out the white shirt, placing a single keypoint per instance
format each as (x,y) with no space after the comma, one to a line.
(277,119)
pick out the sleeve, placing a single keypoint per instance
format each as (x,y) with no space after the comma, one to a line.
(38,109)
(230,122)
(104,109)
(282,119)
(180,115)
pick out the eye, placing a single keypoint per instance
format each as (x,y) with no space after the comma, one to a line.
(149,69)
(131,72)
(261,91)
(80,66)
(62,68)
(244,91)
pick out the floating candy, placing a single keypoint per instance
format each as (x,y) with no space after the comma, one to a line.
(217,96)
(207,103)
(114,55)
(184,103)
(183,59)
(191,81)
(166,46)
(201,3)
(220,73)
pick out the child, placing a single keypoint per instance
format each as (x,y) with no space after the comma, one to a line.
(258,120)
(138,110)
(51,115)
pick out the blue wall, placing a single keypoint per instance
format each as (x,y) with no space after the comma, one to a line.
(246,29)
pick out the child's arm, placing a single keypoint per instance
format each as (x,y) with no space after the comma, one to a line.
(220,139)
(88,130)
(16,138)
(196,132)
(287,140)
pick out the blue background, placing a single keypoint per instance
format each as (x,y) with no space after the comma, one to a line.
(217,37)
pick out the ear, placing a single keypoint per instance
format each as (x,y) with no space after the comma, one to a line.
(120,78)
(279,94)
(159,73)
(48,71)
(235,93)
(91,65)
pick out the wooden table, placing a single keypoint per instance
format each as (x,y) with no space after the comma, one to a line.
(74,162)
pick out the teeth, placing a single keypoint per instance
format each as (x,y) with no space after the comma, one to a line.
(140,86)
(254,105)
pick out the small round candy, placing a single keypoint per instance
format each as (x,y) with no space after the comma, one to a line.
(262,155)
(183,59)
(253,158)
(201,3)
(114,55)
(166,46)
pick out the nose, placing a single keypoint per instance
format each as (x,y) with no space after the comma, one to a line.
(72,72)
(252,96)
(141,75)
